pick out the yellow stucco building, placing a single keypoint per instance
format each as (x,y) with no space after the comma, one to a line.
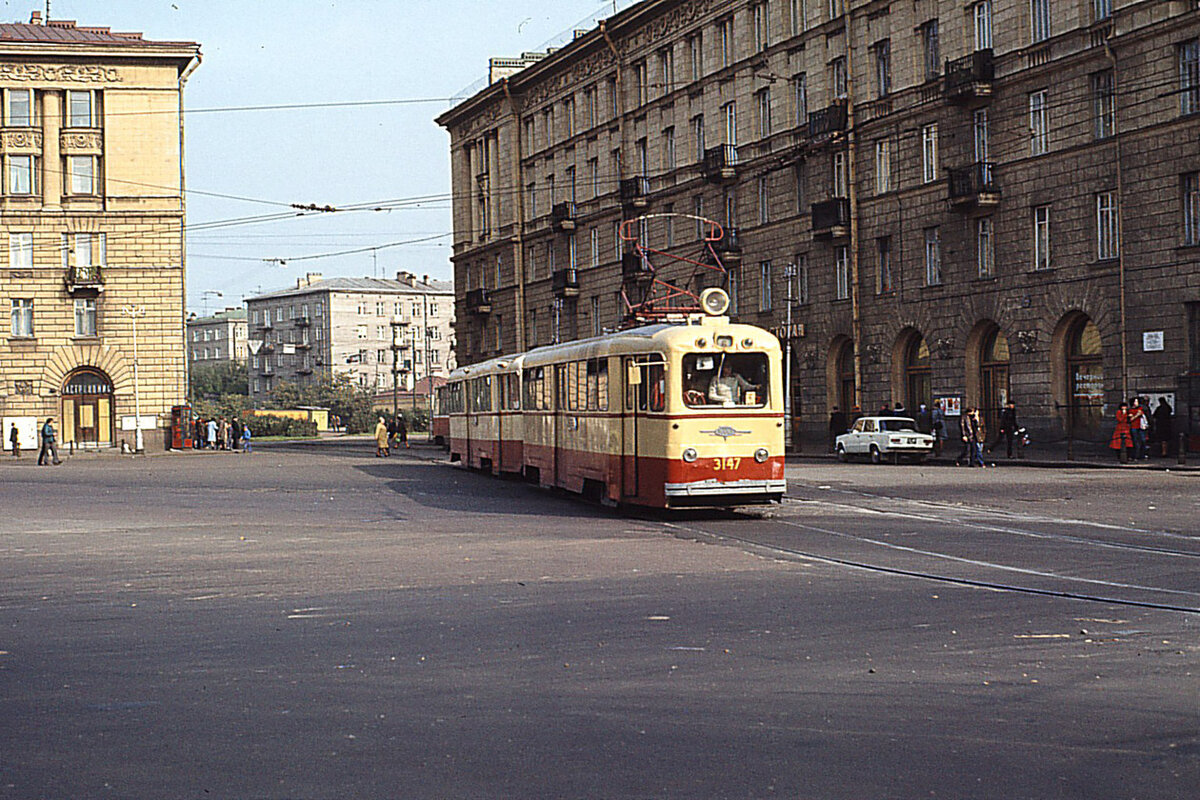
(92,246)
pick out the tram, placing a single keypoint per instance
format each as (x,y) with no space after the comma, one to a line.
(674,414)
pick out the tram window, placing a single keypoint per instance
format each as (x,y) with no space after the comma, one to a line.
(560,381)
(597,384)
(481,395)
(656,378)
(514,391)
(725,379)
(536,393)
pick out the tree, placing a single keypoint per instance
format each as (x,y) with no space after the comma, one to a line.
(222,378)
(353,404)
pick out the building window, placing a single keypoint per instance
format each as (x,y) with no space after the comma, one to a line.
(569,116)
(762,27)
(82,171)
(933,257)
(929,153)
(841,272)
(1103,106)
(698,136)
(84,250)
(81,109)
(839,181)
(979,126)
(883,249)
(1039,20)
(735,282)
(1191,208)
(20,250)
(642,150)
(640,93)
(800,99)
(19,110)
(594,247)
(595,315)
(593,166)
(764,286)
(1189,77)
(1039,137)
(22,175)
(982,13)
(85,317)
(798,16)
(695,46)
(1107,232)
(836,8)
(883,166)
(931,50)
(798,178)
(666,69)
(1101,9)
(985,245)
(837,77)
(589,107)
(729,114)
(22,318)
(800,295)
(725,42)
(763,99)
(764,201)
(1041,237)
(531,199)
(882,56)
(669,148)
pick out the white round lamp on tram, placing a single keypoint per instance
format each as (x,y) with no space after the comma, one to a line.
(714,301)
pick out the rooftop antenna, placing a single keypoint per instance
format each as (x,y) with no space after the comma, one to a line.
(48,9)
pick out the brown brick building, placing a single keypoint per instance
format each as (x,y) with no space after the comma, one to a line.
(981,201)
(92,209)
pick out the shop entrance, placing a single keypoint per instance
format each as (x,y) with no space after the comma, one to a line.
(87,409)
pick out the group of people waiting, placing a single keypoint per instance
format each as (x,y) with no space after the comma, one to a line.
(390,434)
(1137,428)
(221,434)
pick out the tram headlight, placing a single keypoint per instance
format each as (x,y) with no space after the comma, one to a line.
(761,455)
(690,455)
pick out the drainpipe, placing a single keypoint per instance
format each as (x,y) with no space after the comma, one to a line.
(851,174)
(187,368)
(519,179)
(1112,57)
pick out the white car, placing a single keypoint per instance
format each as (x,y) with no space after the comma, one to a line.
(884,437)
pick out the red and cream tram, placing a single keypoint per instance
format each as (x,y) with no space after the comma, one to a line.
(664,415)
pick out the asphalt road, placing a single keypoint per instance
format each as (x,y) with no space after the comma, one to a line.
(312,622)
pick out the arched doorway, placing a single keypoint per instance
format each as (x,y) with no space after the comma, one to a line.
(87,409)
(993,377)
(844,365)
(1085,377)
(918,377)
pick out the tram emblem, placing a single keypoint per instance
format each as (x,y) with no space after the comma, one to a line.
(726,431)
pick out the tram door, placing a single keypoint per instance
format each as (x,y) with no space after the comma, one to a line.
(634,384)
(560,408)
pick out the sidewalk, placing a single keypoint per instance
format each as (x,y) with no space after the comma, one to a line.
(1085,455)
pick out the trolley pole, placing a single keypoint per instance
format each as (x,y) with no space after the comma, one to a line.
(133,312)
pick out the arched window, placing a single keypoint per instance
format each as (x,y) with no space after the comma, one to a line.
(845,376)
(993,377)
(1085,371)
(917,374)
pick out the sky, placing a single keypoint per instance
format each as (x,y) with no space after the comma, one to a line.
(400,60)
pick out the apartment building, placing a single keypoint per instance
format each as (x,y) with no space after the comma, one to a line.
(326,327)
(979,201)
(91,204)
(219,337)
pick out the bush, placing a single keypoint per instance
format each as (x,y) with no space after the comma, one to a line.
(261,425)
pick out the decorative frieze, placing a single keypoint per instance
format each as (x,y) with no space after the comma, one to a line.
(21,139)
(86,142)
(65,73)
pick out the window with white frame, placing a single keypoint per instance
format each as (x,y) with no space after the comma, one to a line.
(19,110)
(640,78)
(1039,135)
(841,272)
(734,282)
(695,46)
(985,247)
(1190,185)
(1103,105)
(761,22)
(837,77)
(929,153)
(82,174)
(1189,77)
(23,175)
(883,166)
(839,182)
(931,50)
(83,251)
(20,250)
(798,178)
(698,136)
(1039,20)
(641,150)
(595,316)
(729,114)
(764,286)
(1107,230)
(764,201)
(85,316)
(569,116)
(22,317)
(797,16)
(1041,237)
(725,42)
(800,99)
(593,167)
(668,149)
(594,247)
(882,56)
(836,8)
(982,15)
(800,292)
(81,109)
(590,118)
(933,257)
(980,131)
(1101,9)
(666,70)
(763,102)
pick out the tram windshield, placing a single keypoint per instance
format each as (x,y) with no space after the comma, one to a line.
(724,380)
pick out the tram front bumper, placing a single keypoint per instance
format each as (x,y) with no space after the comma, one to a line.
(716,493)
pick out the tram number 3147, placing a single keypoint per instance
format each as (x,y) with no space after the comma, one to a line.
(728,463)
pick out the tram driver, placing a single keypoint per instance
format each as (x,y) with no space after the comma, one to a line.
(728,388)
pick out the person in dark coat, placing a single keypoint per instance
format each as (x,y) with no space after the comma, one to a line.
(1008,427)
(1162,425)
(838,425)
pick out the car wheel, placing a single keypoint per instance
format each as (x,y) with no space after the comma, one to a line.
(842,455)
(876,456)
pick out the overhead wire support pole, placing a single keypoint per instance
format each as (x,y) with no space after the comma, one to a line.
(133,312)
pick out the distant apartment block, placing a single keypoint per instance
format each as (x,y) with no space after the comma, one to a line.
(217,338)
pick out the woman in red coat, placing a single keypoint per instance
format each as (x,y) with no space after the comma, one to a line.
(1122,438)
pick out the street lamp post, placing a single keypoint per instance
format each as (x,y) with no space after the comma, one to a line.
(133,312)
(397,326)
(789,275)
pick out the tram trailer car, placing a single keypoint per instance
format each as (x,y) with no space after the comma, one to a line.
(664,415)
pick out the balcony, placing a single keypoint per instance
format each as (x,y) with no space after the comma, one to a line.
(831,218)
(635,192)
(720,163)
(635,268)
(265,324)
(303,345)
(566,283)
(305,370)
(729,248)
(302,322)
(479,301)
(974,185)
(826,122)
(969,79)
(267,347)
(81,278)
(562,217)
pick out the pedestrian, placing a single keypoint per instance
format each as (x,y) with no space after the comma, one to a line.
(978,437)
(837,426)
(14,438)
(381,439)
(245,438)
(1122,439)
(48,444)
(402,431)
(235,432)
(938,424)
(899,410)
(924,419)
(966,432)
(1139,426)
(1162,427)
(1008,427)
(211,433)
